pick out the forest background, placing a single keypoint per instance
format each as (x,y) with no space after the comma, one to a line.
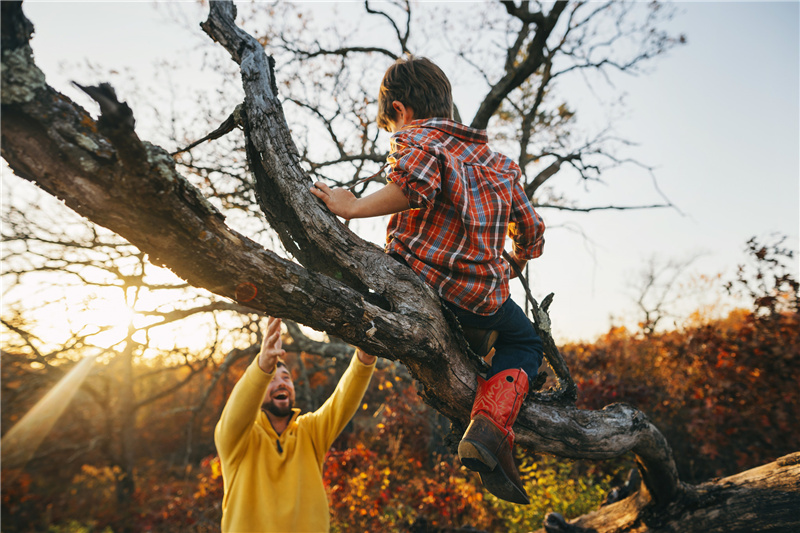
(134,450)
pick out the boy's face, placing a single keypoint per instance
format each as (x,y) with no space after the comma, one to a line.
(405,115)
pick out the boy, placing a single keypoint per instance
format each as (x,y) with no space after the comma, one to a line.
(453,200)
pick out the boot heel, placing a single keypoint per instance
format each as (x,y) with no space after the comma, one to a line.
(475,456)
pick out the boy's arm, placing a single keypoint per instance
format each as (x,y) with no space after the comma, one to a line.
(387,201)
(526,228)
(521,263)
(414,182)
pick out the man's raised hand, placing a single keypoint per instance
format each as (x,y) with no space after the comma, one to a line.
(271,346)
(365,357)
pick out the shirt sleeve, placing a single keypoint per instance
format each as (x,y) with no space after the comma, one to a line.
(330,419)
(417,173)
(241,411)
(526,227)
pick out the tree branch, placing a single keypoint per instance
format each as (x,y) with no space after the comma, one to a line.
(518,71)
(765,498)
(52,142)
(602,208)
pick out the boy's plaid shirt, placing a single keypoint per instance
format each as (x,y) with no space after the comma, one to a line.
(464,199)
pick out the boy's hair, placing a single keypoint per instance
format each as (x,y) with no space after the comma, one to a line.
(418,83)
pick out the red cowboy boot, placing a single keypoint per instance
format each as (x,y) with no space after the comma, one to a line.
(487,446)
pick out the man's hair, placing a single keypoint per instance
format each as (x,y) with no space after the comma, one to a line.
(418,83)
(280,363)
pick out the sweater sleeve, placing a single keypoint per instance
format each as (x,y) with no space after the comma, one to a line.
(329,420)
(241,411)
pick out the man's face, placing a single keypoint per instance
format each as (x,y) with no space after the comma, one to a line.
(279,398)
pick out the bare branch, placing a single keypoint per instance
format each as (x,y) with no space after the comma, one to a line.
(602,208)
(517,73)
(401,37)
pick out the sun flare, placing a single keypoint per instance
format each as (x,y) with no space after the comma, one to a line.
(112,317)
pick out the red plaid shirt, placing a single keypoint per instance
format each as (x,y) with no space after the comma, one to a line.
(464,198)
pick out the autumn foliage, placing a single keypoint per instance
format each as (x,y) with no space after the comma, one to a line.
(725,392)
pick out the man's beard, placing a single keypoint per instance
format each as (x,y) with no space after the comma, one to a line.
(278,411)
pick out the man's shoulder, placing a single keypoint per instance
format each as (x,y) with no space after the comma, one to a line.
(304,423)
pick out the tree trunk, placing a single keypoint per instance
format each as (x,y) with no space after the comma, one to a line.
(126,433)
(350,288)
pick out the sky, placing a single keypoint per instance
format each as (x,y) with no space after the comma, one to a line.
(717,118)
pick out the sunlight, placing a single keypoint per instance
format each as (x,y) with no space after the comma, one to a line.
(112,317)
(21,442)
(117,313)
(101,314)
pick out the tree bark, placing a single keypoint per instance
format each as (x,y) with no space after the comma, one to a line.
(348,287)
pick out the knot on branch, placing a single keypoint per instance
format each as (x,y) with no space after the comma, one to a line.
(630,486)
(547,301)
(556,523)
(117,123)
(114,114)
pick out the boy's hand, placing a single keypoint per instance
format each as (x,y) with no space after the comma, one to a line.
(519,262)
(385,201)
(339,201)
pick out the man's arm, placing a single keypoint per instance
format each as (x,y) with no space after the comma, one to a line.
(247,396)
(365,358)
(329,420)
(387,201)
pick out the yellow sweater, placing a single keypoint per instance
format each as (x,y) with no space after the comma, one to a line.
(272,483)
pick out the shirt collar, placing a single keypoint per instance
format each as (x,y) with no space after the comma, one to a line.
(446,125)
(269,427)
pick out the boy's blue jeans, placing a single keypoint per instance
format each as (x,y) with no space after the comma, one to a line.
(518,345)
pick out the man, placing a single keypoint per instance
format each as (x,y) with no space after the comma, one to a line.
(271,457)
